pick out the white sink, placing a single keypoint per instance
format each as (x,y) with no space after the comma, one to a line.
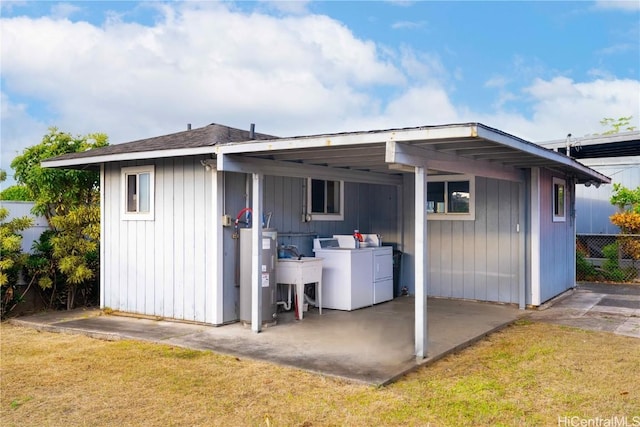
(299,271)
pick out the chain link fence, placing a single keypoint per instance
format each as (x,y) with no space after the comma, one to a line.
(608,257)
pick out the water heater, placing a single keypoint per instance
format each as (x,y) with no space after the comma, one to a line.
(267,275)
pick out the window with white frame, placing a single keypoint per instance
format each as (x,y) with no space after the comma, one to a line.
(451,197)
(138,193)
(325,199)
(559,200)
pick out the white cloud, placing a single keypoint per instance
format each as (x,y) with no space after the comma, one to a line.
(497,82)
(616,49)
(628,5)
(563,106)
(206,62)
(293,7)
(18,130)
(63,10)
(408,25)
(9,5)
(201,63)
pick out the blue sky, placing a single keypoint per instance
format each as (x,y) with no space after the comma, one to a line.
(538,70)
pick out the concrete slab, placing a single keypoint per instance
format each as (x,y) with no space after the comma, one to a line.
(598,307)
(372,345)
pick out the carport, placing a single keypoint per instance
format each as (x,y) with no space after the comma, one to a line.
(405,158)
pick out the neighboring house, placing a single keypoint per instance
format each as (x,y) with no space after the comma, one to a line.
(500,213)
(617,156)
(32,234)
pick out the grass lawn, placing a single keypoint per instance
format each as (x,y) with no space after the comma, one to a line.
(527,374)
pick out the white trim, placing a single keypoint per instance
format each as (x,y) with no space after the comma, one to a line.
(354,138)
(593,140)
(140,155)
(137,216)
(241,164)
(535,236)
(563,183)
(216,249)
(397,154)
(256,254)
(318,216)
(102,235)
(453,216)
(421,276)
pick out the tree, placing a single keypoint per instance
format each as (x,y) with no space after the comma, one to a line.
(15,193)
(621,124)
(69,199)
(628,219)
(627,200)
(56,191)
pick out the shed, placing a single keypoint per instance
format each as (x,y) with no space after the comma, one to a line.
(478,213)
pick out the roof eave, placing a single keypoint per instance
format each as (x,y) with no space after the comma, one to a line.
(141,155)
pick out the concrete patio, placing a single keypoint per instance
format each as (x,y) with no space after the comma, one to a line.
(374,345)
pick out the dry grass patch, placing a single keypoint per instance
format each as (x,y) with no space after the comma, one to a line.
(528,374)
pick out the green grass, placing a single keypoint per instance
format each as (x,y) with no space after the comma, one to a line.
(528,374)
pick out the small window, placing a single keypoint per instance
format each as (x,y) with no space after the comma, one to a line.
(138,192)
(451,197)
(325,199)
(559,200)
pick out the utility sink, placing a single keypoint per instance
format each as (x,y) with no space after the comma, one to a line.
(298,272)
(303,270)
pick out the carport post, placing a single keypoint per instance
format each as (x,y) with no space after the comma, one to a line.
(256,254)
(421,268)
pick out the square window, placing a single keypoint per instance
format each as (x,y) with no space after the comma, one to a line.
(138,193)
(325,199)
(451,197)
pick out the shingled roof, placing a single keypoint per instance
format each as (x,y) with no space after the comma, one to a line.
(206,136)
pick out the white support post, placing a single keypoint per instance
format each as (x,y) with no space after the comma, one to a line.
(102,234)
(256,254)
(421,267)
(522,230)
(534,232)
(217,259)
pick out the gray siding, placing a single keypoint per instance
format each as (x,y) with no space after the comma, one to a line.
(471,259)
(368,208)
(160,267)
(557,242)
(32,234)
(593,208)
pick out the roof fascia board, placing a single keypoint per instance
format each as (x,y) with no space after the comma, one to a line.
(593,139)
(611,161)
(406,154)
(336,140)
(142,155)
(545,153)
(238,163)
